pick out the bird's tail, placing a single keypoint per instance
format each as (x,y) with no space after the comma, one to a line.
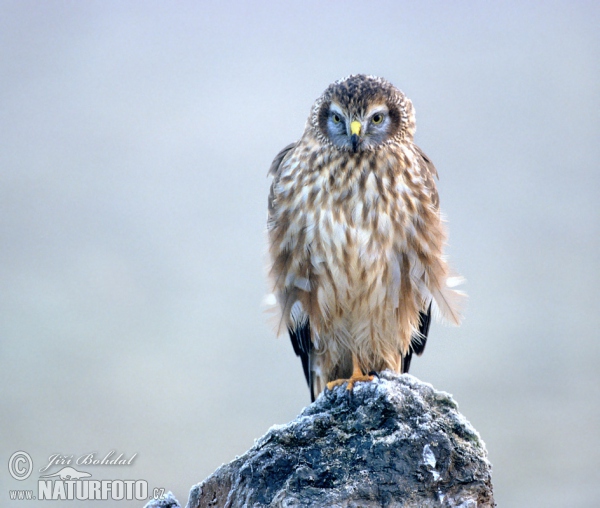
(449,303)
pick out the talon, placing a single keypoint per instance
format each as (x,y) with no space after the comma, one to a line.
(357,377)
(332,384)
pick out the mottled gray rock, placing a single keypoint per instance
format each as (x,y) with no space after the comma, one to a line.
(395,442)
(168,501)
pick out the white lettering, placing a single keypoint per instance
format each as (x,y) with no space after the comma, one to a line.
(82,490)
(106,488)
(70,489)
(141,490)
(44,489)
(58,459)
(94,489)
(85,459)
(129,485)
(118,490)
(59,491)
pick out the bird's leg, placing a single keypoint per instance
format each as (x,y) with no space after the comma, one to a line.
(357,375)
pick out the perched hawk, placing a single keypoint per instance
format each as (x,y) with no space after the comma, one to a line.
(356,237)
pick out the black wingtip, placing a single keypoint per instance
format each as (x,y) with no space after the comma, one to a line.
(302,343)
(406,362)
(418,342)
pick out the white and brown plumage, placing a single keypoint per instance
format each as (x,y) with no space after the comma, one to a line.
(356,237)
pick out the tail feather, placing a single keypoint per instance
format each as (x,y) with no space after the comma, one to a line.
(448,304)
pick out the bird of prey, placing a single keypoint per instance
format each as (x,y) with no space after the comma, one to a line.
(356,237)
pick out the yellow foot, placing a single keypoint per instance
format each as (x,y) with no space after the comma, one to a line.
(354,379)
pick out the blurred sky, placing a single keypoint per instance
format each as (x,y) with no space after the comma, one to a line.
(135,139)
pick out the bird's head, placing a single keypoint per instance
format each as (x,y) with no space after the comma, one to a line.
(361,113)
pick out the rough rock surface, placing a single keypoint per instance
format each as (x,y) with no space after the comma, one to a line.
(395,442)
(168,501)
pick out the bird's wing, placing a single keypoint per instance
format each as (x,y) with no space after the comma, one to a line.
(448,302)
(276,164)
(299,330)
(280,260)
(417,344)
(430,168)
(302,343)
(429,175)
(274,171)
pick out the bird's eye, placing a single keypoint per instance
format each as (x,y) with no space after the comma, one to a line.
(336,118)
(377,118)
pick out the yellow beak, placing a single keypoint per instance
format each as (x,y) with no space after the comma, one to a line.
(355,137)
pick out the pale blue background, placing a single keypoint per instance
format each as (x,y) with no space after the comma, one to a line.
(135,138)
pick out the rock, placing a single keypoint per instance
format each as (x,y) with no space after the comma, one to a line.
(168,501)
(395,442)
